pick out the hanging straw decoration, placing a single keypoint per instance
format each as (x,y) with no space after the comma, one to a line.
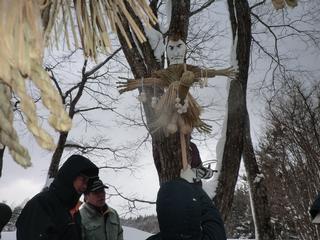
(26,26)
(95,19)
(177,109)
(164,77)
(8,135)
(280,4)
(21,55)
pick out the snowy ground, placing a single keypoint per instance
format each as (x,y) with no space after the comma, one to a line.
(129,234)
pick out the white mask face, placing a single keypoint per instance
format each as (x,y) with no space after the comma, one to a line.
(176,51)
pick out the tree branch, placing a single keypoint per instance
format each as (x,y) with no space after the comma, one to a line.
(96,68)
(204,6)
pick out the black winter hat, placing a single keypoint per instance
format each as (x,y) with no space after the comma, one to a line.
(74,166)
(95,184)
(178,211)
(5,215)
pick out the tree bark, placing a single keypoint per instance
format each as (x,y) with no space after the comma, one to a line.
(166,150)
(232,150)
(241,27)
(56,157)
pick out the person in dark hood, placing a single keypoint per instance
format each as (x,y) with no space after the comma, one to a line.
(5,215)
(185,212)
(53,214)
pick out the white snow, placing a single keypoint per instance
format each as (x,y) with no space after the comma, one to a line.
(258,178)
(128,234)
(165,27)
(155,39)
(253,214)
(210,186)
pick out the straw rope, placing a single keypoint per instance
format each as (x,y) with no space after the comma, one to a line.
(8,135)
(177,79)
(21,58)
(95,19)
(26,26)
(164,77)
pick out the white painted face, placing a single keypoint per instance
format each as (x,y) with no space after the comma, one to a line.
(176,51)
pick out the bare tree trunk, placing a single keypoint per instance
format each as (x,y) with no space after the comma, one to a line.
(56,157)
(166,150)
(232,150)
(241,28)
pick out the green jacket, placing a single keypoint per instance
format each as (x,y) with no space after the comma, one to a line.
(94,227)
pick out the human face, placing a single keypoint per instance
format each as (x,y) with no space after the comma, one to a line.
(80,183)
(97,199)
(176,51)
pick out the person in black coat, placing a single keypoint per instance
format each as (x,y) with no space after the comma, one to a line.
(52,214)
(5,215)
(185,211)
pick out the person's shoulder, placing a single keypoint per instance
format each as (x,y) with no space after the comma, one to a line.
(154,237)
(85,210)
(112,210)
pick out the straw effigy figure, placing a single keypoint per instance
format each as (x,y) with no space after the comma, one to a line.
(176,109)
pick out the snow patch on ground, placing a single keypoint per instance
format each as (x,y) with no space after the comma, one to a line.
(128,234)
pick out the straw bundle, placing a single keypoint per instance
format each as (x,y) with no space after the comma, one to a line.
(94,19)
(26,27)
(8,135)
(280,4)
(170,121)
(21,55)
(178,78)
(164,77)
(292,3)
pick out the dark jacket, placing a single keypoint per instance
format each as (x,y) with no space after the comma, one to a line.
(185,211)
(48,215)
(315,208)
(5,215)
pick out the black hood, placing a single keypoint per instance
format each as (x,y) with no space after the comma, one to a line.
(5,215)
(178,211)
(63,183)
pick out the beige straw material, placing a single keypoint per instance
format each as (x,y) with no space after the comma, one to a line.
(8,135)
(170,122)
(164,77)
(21,54)
(280,4)
(177,79)
(93,20)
